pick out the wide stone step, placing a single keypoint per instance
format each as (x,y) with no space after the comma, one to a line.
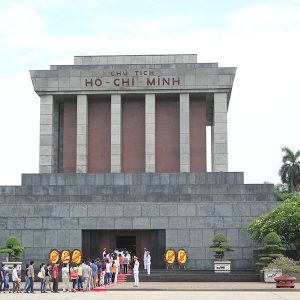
(197,276)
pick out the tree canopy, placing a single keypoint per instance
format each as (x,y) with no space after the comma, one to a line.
(290,170)
(284,220)
(13,248)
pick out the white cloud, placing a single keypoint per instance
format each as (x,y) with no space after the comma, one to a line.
(265,17)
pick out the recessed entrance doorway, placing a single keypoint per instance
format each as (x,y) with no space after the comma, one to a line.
(134,241)
(127,242)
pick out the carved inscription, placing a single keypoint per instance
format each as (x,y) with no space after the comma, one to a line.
(125,78)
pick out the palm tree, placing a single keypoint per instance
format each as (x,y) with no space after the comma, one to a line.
(290,170)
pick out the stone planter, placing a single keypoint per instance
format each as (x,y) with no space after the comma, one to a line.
(222,266)
(269,275)
(285,281)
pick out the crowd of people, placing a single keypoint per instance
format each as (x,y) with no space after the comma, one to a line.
(85,275)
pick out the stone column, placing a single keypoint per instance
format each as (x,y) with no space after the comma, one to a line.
(82,134)
(115,133)
(47,155)
(184,133)
(150,133)
(219,152)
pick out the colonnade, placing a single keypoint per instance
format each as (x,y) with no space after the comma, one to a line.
(48,134)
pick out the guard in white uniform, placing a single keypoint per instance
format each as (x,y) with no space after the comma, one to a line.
(148,262)
(136,271)
(145,254)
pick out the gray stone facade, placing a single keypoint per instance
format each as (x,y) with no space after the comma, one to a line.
(50,210)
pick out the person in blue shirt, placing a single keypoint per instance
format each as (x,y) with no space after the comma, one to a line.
(6,282)
(94,273)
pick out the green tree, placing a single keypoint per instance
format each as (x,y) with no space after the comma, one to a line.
(13,248)
(284,220)
(281,192)
(290,170)
(272,249)
(220,246)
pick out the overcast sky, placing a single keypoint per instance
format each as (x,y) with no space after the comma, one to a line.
(261,38)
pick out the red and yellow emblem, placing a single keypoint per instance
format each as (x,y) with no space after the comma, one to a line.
(76,256)
(170,256)
(182,256)
(65,256)
(54,256)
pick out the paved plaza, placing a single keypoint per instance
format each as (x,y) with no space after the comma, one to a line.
(174,295)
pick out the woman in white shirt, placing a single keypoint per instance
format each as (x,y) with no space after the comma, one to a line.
(41,275)
(15,279)
(65,277)
(136,271)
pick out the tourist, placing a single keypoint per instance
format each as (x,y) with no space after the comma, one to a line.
(125,263)
(136,271)
(120,263)
(104,253)
(129,256)
(103,267)
(2,276)
(117,270)
(148,262)
(113,272)
(27,282)
(79,281)
(15,279)
(31,277)
(41,275)
(91,276)
(107,272)
(65,277)
(6,282)
(55,278)
(99,271)
(48,277)
(94,274)
(86,276)
(74,276)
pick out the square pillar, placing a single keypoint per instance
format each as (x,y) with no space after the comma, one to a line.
(82,134)
(219,152)
(184,133)
(115,133)
(150,133)
(47,139)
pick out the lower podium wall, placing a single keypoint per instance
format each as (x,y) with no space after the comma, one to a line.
(46,216)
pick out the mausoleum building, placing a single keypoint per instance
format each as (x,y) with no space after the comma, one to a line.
(123,162)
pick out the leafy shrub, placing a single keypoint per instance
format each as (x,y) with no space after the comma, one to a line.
(285,264)
(272,250)
(220,246)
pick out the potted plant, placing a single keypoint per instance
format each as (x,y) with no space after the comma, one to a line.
(14,249)
(219,247)
(273,249)
(288,267)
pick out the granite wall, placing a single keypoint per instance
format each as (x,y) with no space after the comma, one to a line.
(50,210)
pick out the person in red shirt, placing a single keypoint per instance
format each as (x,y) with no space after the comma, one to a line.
(55,278)
(121,262)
